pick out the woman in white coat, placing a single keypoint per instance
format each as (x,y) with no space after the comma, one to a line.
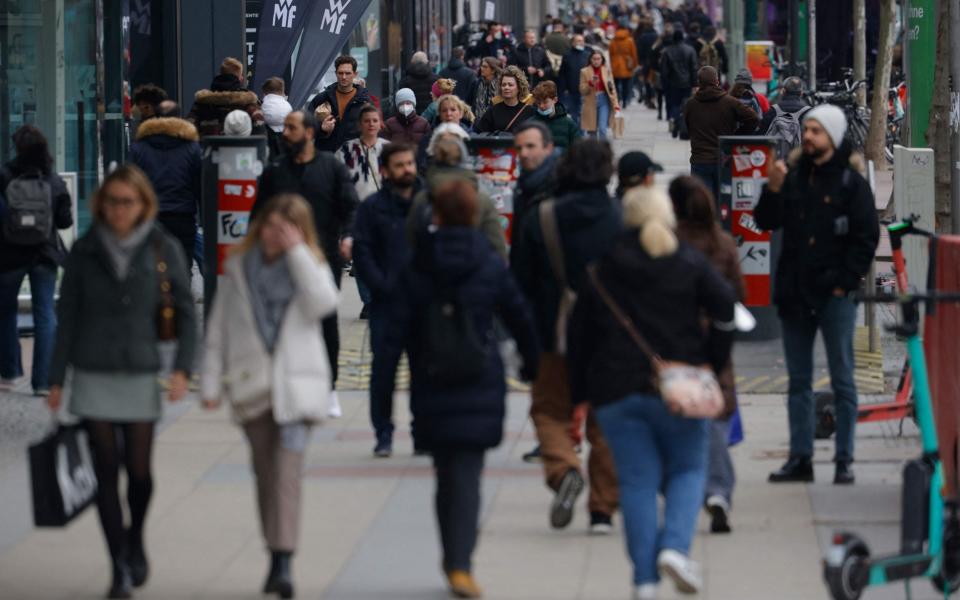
(266,356)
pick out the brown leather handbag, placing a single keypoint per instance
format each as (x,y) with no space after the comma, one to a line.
(166,312)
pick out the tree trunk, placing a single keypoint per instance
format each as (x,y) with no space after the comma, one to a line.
(938,129)
(860,47)
(877,137)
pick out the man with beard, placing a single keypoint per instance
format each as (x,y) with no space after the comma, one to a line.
(830,233)
(325,183)
(381,253)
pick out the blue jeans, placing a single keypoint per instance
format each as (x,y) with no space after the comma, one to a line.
(836,322)
(721,477)
(43,282)
(603,115)
(574,105)
(709,174)
(655,450)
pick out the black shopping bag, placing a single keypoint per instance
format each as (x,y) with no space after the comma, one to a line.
(62,476)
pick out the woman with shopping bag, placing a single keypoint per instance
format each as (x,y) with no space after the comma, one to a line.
(265,354)
(125,287)
(599,93)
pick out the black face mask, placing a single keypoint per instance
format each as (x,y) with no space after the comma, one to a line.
(295,148)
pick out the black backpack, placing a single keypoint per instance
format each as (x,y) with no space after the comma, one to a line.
(453,352)
(29,211)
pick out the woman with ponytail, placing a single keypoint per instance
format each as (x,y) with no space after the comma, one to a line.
(665,287)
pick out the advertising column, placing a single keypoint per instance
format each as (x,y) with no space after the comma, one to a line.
(497,169)
(746,161)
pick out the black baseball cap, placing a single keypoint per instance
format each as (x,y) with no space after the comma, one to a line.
(634,167)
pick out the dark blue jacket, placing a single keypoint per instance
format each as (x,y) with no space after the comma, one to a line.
(568,79)
(167,151)
(380,248)
(470,416)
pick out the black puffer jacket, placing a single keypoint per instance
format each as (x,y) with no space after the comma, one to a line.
(678,66)
(211,107)
(465,77)
(167,151)
(12,256)
(420,78)
(524,57)
(665,298)
(830,229)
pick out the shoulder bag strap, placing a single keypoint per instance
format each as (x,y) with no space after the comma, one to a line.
(551,239)
(623,319)
(515,117)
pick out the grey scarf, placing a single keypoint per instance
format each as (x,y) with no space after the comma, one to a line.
(121,251)
(271,290)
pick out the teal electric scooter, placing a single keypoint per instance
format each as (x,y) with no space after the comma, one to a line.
(930,528)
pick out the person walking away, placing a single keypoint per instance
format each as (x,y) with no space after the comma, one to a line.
(664,288)
(645,39)
(531,58)
(600,101)
(227,93)
(380,255)
(452,292)
(511,108)
(116,279)
(168,151)
(568,80)
(742,90)
(552,114)
(830,234)
(655,61)
(713,53)
(486,86)
(420,79)
(623,62)
(678,75)
(697,225)
(337,108)
(464,76)
(275,108)
(712,113)
(406,127)
(783,121)
(276,288)
(636,171)
(441,87)
(549,260)
(325,183)
(148,98)
(34,204)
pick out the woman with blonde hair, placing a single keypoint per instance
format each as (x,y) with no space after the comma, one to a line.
(265,354)
(511,107)
(125,287)
(662,288)
(441,87)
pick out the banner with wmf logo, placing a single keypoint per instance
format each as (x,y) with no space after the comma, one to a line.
(281,22)
(331,22)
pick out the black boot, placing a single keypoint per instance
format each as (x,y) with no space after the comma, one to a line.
(798,469)
(137,559)
(121,587)
(843,474)
(279,580)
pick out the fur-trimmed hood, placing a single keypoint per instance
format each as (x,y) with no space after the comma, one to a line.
(855,160)
(239,99)
(168,126)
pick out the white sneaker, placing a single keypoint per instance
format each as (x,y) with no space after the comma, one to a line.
(9,384)
(684,572)
(335,411)
(646,591)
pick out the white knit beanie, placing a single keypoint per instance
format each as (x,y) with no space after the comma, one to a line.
(237,123)
(406,95)
(832,119)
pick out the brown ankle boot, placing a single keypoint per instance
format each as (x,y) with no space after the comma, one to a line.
(462,585)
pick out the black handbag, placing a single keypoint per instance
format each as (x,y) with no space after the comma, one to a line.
(62,476)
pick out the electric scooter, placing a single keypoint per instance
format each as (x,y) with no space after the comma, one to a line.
(930,526)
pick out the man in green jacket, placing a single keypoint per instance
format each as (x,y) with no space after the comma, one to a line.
(552,114)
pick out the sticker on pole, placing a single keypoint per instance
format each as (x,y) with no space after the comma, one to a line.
(755,258)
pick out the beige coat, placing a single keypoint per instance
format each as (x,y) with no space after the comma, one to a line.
(588,115)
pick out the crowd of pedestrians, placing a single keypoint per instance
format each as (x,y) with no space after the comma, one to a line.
(601,292)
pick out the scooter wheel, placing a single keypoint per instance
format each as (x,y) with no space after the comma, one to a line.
(826,416)
(847,581)
(942,584)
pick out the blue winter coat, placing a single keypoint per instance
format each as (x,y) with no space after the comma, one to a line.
(468,416)
(167,151)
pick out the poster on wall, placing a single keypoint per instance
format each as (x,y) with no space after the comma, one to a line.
(759,61)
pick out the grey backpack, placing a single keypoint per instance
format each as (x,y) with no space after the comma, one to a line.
(29,211)
(786,128)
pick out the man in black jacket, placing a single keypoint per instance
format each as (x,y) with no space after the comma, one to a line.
(830,233)
(568,80)
(587,222)
(325,183)
(678,75)
(532,59)
(465,77)
(226,94)
(338,107)
(381,254)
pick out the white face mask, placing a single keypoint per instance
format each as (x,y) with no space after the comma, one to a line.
(406,109)
(579,48)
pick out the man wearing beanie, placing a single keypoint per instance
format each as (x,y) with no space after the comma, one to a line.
(830,233)
(406,127)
